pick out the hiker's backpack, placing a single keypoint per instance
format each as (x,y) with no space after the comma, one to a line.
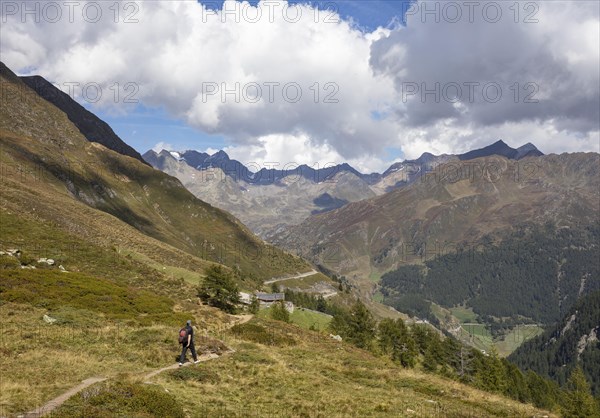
(183,335)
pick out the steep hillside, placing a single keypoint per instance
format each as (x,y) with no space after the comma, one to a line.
(456,204)
(93,128)
(264,206)
(53,174)
(574,340)
(506,280)
(448,219)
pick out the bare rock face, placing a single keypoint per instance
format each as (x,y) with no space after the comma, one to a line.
(587,340)
(264,201)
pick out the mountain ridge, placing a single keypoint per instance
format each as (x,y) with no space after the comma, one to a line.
(220,159)
(92,128)
(258,197)
(264,206)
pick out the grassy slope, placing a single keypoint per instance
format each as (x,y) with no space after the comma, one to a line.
(311,375)
(517,336)
(476,334)
(464,314)
(299,372)
(41,361)
(52,173)
(114,313)
(128,237)
(304,318)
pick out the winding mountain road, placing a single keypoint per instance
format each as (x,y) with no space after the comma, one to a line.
(298,276)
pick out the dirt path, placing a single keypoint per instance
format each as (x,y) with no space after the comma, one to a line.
(298,276)
(240,319)
(202,358)
(59,400)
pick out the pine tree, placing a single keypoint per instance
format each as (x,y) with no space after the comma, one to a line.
(430,358)
(490,374)
(543,392)
(361,326)
(396,341)
(321,305)
(356,326)
(219,289)
(279,313)
(516,386)
(579,401)
(254,305)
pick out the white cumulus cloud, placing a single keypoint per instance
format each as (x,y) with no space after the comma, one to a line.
(293,83)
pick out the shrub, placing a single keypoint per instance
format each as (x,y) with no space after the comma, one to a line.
(254,305)
(9,262)
(195,374)
(259,334)
(54,290)
(121,399)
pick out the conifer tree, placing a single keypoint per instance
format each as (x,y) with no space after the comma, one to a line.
(356,326)
(219,289)
(279,313)
(579,401)
(396,341)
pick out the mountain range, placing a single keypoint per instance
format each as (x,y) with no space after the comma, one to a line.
(271,199)
(482,203)
(264,176)
(515,241)
(268,200)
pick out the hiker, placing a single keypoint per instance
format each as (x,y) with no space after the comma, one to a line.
(186,339)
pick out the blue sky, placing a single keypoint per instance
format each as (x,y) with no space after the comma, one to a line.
(368,14)
(143,128)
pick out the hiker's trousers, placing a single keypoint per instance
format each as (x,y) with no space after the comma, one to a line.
(184,350)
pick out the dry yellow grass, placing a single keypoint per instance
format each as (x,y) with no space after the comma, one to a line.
(318,377)
(39,361)
(301,373)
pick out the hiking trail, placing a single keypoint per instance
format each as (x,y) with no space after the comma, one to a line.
(50,406)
